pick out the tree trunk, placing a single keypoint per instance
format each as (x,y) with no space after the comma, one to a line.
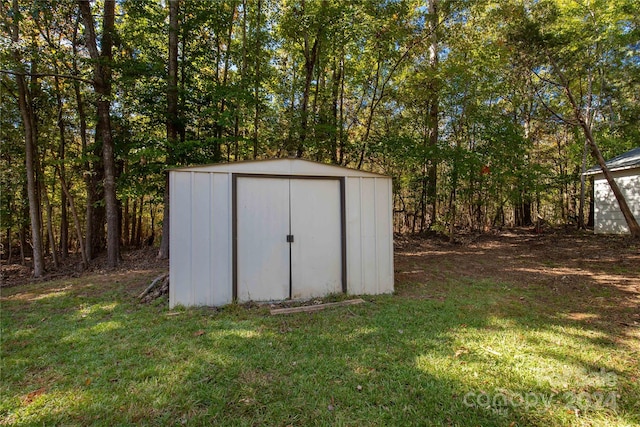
(89,177)
(220,122)
(27,114)
(256,84)
(583,186)
(102,87)
(335,92)
(369,123)
(152,214)
(172,119)
(64,223)
(432,164)
(52,237)
(134,223)
(9,246)
(126,216)
(76,219)
(92,173)
(139,226)
(8,224)
(23,244)
(341,138)
(310,60)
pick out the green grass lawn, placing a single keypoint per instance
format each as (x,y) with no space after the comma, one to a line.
(85,352)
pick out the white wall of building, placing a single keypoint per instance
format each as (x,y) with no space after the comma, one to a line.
(608,218)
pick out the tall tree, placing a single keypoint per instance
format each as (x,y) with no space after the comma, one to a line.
(102,59)
(311,54)
(172,117)
(25,103)
(433,108)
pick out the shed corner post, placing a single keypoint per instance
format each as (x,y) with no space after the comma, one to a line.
(234,237)
(343,237)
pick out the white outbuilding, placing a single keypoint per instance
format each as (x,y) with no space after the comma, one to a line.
(625,169)
(276,230)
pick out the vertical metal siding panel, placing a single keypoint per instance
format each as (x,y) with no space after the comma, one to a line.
(180,238)
(201,237)
(173,268)
(392,280)
(363,260)
(214,228)
(354,244)
(316,255)
(263,251)
(384,236)
(376,237)
(597,205)
(608,216)
(368,236)
(630,186)
(221,240)
(635,185)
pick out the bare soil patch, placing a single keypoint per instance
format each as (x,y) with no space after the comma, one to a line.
(132,260)
(587,276)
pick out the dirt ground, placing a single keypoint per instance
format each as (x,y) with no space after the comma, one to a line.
(132,260)
(573,269)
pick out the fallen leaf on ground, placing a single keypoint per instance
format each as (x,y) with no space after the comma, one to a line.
(30,397)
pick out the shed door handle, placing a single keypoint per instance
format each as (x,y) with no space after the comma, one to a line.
(289,238)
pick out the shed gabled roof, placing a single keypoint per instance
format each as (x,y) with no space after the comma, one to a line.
(285,166)
(628,160)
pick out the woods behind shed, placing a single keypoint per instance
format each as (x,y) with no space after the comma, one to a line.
(278,229)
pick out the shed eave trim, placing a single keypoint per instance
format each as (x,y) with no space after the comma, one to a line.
(624,168)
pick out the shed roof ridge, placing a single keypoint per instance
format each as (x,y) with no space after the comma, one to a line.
(222,165)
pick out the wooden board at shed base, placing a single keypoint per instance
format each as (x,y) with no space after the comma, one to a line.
(316,307)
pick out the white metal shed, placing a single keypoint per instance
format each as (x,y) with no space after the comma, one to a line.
(278,229)
(625,169)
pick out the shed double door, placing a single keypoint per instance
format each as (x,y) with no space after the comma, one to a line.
(289,242)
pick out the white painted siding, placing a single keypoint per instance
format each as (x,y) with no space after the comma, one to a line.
(384,235)
(369,236)
(200,239)
(355,264)
(201,252)
(263,251)
(221,245)
(607,215)
(316,253)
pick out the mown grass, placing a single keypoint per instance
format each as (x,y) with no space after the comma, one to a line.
(85,352)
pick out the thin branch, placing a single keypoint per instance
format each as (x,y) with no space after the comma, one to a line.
(8,89)
(62,76)
(551,82)
(552,111)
